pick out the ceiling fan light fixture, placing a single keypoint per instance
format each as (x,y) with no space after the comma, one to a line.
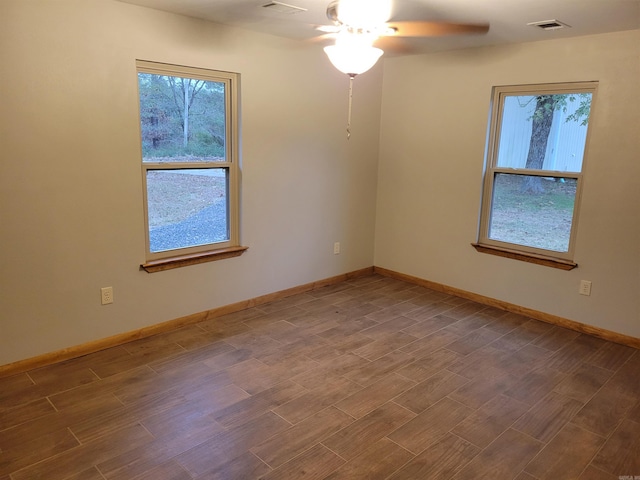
(353,56)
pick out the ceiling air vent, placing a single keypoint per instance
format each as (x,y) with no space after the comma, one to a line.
(549,25)
(283,8)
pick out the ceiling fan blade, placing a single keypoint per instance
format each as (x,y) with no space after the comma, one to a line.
(393,45)
(328,28)
(325,38)
(435,29)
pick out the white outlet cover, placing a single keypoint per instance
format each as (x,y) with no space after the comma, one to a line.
(106,294)
(585,287)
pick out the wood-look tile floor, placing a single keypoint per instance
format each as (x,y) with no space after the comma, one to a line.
(372,378)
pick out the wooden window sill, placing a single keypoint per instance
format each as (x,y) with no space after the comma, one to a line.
(192,259)
(526,257)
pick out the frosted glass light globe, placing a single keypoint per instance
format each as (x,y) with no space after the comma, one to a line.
(353,61)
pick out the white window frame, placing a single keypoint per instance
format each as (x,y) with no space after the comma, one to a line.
(522,252)
(212,251)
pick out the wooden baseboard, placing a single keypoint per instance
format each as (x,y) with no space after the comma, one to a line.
(115,340)
(101,344)
(510,307)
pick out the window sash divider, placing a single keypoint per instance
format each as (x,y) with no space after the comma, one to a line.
(536,173)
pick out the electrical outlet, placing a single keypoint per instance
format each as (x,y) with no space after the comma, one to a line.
(585,287)
(336,248)
(107,295)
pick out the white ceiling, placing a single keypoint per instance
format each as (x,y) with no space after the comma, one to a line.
(507,18)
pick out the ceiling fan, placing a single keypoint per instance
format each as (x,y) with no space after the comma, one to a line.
(361,27)
(371,19)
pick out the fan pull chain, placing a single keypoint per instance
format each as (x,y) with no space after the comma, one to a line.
(351,77)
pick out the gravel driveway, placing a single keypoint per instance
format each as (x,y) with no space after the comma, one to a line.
(209,225)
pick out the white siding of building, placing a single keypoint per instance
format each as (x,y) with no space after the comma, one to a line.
(565,148)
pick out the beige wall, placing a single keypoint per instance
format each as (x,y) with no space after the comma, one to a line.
(433,134)
(70,188)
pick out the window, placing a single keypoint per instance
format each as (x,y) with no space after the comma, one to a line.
(533,175)
(189,136)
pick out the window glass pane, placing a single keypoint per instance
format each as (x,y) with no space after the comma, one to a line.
(187,208)
(532,211)
(182,119)
(544,132)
